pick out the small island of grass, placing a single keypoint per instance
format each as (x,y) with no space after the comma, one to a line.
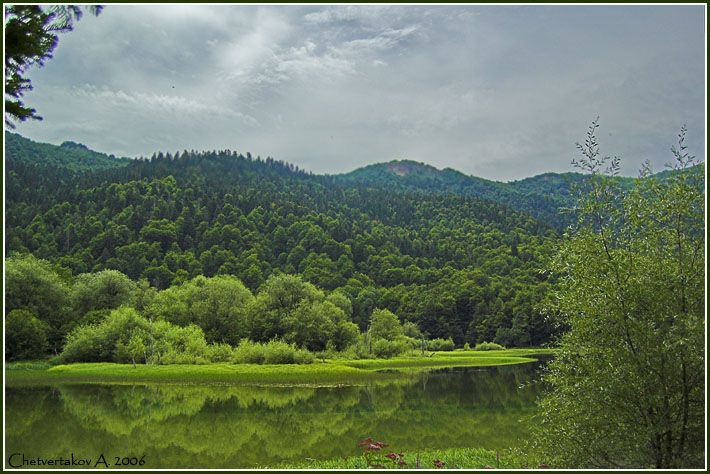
(320,372)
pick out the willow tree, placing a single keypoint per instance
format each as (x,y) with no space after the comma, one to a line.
(627,387)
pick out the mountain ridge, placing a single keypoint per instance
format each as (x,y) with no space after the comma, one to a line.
(542,196)
(70,155)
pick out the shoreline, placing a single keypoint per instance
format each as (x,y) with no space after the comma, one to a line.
(330,372)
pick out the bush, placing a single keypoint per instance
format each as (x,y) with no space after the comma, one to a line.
(441,344)
(278,352)
(173,357)
(98,342)
(124,336)
(248,352)
(185,345)
(25,336)
(302,356)
(488,346)
(383,348)
(272,352)
(219,352)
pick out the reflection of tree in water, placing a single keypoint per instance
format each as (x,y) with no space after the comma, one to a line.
(241,426)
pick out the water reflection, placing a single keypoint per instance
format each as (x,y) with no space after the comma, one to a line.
(230,426)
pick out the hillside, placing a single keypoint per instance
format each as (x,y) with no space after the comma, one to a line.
(547,196)
(456,266)
(73,156)
(541,196)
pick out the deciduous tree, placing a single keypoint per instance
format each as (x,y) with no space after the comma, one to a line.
(627,386)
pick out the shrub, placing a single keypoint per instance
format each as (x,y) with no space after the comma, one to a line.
(488,346)
(248,352)
(25,336)
(278,352)
(219,352)
(302,356)
(441,344)
(124,336)
(383,348)
(98,342)
(272,352)
(174,357)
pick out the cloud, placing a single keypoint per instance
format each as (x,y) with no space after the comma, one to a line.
(499,91)
(155,105)
(359,14)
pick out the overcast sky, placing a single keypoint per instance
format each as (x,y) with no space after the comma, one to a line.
(501,92)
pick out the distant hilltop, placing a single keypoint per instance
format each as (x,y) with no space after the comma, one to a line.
(405,167)
(74,146)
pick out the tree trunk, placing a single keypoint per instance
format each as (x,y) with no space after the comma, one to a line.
(369,337)
(150,321)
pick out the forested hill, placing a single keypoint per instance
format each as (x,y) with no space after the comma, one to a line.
(541,196)
(73,156)
(458,267)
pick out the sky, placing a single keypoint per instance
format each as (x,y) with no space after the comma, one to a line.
(502,92)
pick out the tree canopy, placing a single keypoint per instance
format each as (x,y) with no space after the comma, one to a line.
(628,383)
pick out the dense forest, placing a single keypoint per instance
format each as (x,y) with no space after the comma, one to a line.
(451,265)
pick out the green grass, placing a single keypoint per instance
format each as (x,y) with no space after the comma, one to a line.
(455,458)
(330,372)
(429,362)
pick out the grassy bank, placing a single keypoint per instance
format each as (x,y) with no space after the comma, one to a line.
(319,373)
(456,458)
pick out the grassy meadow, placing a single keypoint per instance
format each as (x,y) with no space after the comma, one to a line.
(321,372)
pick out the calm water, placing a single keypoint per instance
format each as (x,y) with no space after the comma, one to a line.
(232,426)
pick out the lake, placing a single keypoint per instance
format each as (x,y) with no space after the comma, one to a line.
(154,426)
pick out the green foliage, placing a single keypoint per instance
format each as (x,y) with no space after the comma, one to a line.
(272,352)
(628,381)
(454,266)
(30,37)
(459,458)
(32,285)
(386,349)
(28,40)
(219,305)
(488,346)
(134,349)
(540,196)
(25,336)
(440,345)
(183,345)
(104,290)
(106,341)
(220,352)
(298,312)
(73,157)
(411,329)
(384,325)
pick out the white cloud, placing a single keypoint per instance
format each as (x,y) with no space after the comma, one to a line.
(349,13)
